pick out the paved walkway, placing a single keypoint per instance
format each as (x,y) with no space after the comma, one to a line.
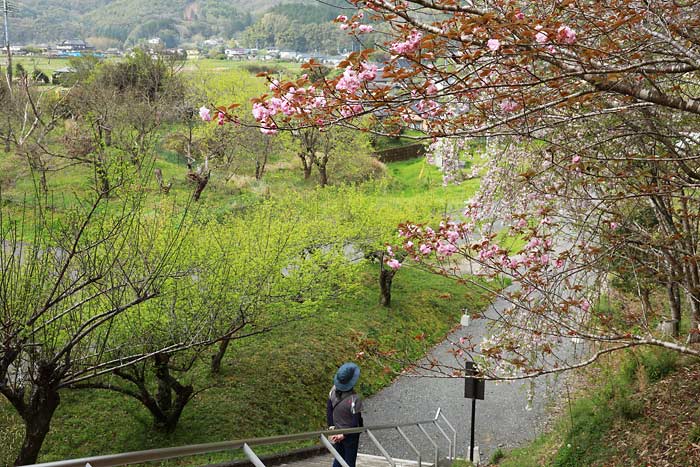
(503,419)
(363,460)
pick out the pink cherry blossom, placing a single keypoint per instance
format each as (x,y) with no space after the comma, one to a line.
(341,18)
(576,159)
(220,118)
(520,16)
(428,106)
(509,105)
(365,28)
(541,37)
(269,129)
(425,249)
(393,264)
(368,73)
(566,35)
(533,243)
(350,81)
(205,114)
(410,45)
(260,112)
(446,249)
(493,44)
(452,236)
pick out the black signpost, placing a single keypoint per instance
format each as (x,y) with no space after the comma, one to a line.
(473,389)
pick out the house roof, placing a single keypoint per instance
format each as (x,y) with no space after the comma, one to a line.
(74,42)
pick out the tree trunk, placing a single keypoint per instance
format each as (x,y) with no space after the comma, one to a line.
(646,302)
(694,332)
(201,179)
(674,300)
(322,175)
(36,413)
(102,177)
(385,278)
(307,164)
(307,171)
(163,394)
(260,165)
(258,173)
(170,410)
(37,423)
(219,356)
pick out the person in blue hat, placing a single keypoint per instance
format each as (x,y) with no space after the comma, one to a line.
(344,410)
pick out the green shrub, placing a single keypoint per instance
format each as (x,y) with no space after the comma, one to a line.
(694,435)
(582,443)
(496,456)
(629,409)
(658,363)
(461,463)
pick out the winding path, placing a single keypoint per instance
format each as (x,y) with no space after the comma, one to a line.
(502,419)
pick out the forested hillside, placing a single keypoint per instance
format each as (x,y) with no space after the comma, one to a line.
(124,22)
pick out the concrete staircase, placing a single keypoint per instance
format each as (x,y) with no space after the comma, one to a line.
(363,460)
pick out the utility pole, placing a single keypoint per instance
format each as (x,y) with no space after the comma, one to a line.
(6,14)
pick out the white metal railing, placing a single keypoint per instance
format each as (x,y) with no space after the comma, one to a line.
(151,455)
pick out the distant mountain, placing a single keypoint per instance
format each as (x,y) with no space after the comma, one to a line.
(123,22)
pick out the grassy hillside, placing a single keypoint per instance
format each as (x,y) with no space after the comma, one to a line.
(640,409)
(261,374)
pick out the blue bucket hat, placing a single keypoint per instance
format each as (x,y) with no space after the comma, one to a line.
(346,376)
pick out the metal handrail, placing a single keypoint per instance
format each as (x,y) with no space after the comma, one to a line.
(333,451)
(386,455)
(151,455)
(411,445)
(449,441)
(432,441)
(252,456)
(454,433)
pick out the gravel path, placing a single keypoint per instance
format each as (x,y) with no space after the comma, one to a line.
(502,419)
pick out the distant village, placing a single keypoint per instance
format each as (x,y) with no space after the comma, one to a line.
(208,48)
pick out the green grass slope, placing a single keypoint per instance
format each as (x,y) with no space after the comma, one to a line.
(271,384)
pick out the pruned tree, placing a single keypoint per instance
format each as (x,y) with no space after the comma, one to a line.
(31,119)
(117,110)
(245,276)
(65,287)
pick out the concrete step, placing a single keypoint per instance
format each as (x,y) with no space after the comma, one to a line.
(363,460)
(368,460)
